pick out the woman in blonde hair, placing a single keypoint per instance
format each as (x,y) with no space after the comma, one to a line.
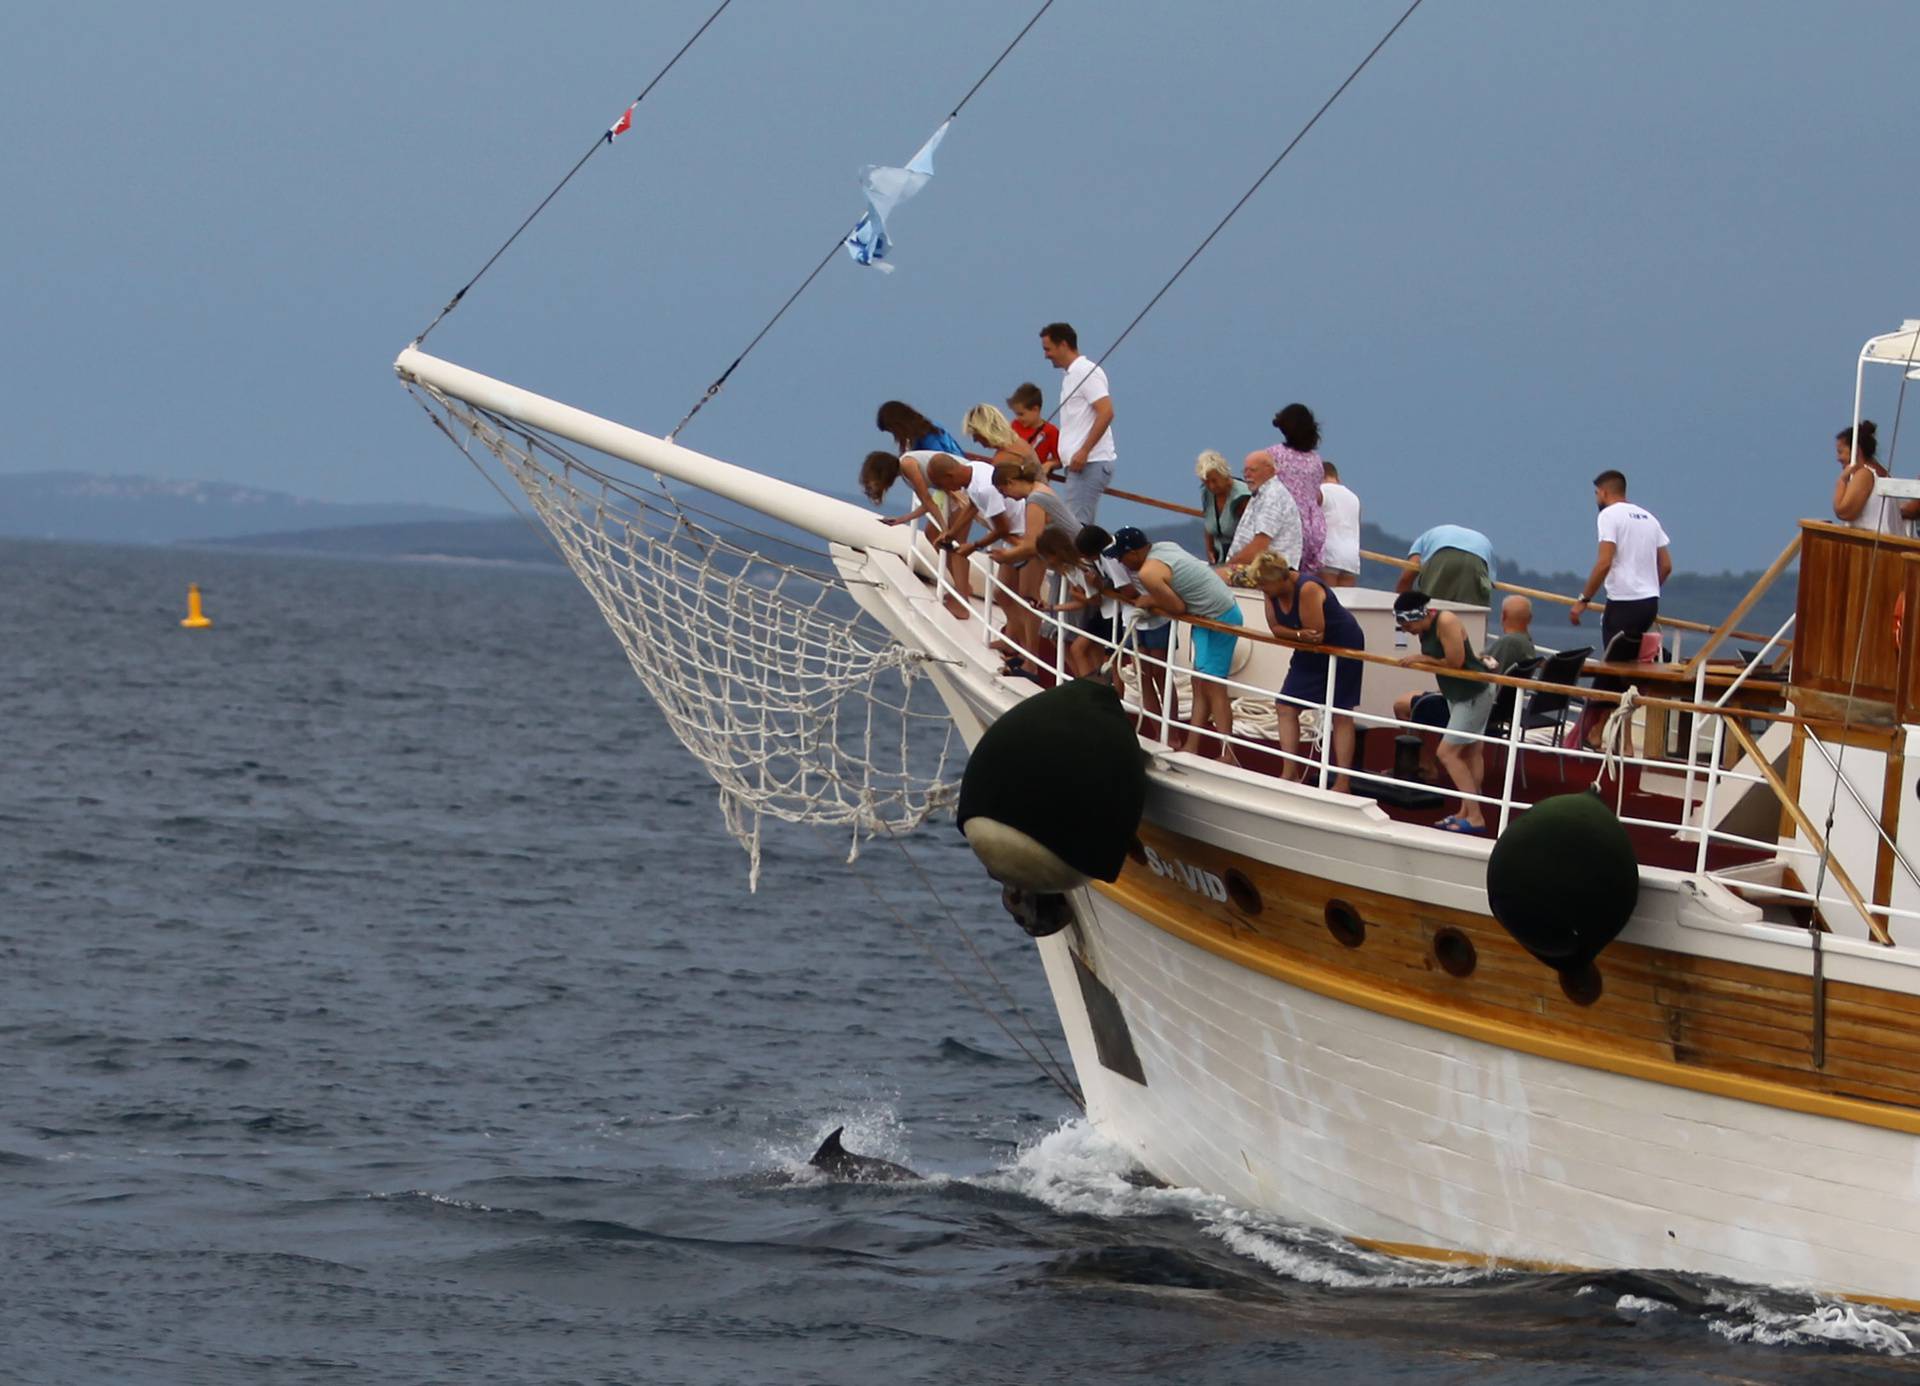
(1221,496)
(987,426)
(1304,610)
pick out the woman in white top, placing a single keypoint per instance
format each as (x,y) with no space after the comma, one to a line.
(1854,503)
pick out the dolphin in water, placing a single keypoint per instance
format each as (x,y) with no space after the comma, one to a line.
(835,1159)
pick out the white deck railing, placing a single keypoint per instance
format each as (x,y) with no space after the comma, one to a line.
(1703,776)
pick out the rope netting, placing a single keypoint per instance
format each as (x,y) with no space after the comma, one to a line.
(797,703)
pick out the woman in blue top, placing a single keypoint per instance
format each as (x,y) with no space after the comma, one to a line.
(915,432)
(1305,609)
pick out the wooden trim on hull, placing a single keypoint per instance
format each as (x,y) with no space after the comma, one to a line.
(1413,1251)
(1729,1039)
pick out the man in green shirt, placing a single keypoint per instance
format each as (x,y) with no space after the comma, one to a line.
(1513,646)
(1444,645)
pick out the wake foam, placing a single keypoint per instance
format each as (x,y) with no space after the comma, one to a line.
(1747,1319)
(1075,1170)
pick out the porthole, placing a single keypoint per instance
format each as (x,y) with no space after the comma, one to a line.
(1345,924)
(1581,985)
(1244,894)
(1455,953)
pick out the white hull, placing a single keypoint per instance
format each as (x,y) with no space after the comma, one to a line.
(1391,1132)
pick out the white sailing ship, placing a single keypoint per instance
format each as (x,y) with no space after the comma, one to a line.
(1301,1000)
(1316,1003)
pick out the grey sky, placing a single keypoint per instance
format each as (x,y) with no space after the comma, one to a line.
(1534,240)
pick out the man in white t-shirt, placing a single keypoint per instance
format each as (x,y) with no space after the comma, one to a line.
(1086,422)
(1633,564)
(1340,555)
(974,497)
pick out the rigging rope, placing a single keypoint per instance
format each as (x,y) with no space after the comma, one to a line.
(1055,1075)
(604,138)
(934,894)
(827,259)
(1245,197)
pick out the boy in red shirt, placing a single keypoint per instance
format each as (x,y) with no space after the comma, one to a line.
(1031,424)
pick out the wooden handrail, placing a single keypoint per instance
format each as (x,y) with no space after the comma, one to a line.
(1513,588)
(1675,622)
(1807,830)
(1138,499)
(1726,627)
(1500,680)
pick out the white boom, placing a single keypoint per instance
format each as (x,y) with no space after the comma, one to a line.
(833,520)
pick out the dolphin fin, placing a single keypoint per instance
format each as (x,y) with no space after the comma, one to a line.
(830,1147)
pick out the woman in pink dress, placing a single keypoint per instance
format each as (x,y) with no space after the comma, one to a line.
(1297,466)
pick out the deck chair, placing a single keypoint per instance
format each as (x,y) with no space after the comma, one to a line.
(1551,709)
(1626,648)
(1500,720)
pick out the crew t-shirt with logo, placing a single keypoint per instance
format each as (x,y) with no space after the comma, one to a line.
(1637,540)
(1083,384)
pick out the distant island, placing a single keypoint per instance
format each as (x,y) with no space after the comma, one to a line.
(505,540)
(100,508)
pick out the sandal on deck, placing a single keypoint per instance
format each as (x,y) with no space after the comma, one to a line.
(1456,824)
(1017,668)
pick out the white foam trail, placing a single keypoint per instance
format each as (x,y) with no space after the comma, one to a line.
(1637,1304)
(1074,1169)
(1848,1325)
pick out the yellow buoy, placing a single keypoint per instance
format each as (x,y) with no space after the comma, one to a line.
(196,620)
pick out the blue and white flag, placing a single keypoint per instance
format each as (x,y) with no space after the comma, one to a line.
(886,188)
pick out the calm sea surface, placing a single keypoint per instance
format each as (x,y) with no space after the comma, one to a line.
(380,1000)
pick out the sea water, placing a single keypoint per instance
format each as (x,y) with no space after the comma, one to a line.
(381,1000)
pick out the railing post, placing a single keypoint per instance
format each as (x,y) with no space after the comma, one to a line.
(1059,625)
(1693,740)
(986,602)
(1326,724)
(1713,783)
(1515,725)
(1167,688)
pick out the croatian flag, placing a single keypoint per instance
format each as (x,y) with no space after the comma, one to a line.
(886,188)
(622,125)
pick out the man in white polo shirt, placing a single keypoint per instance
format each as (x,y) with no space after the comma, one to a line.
(1633,564)
(1086,422)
